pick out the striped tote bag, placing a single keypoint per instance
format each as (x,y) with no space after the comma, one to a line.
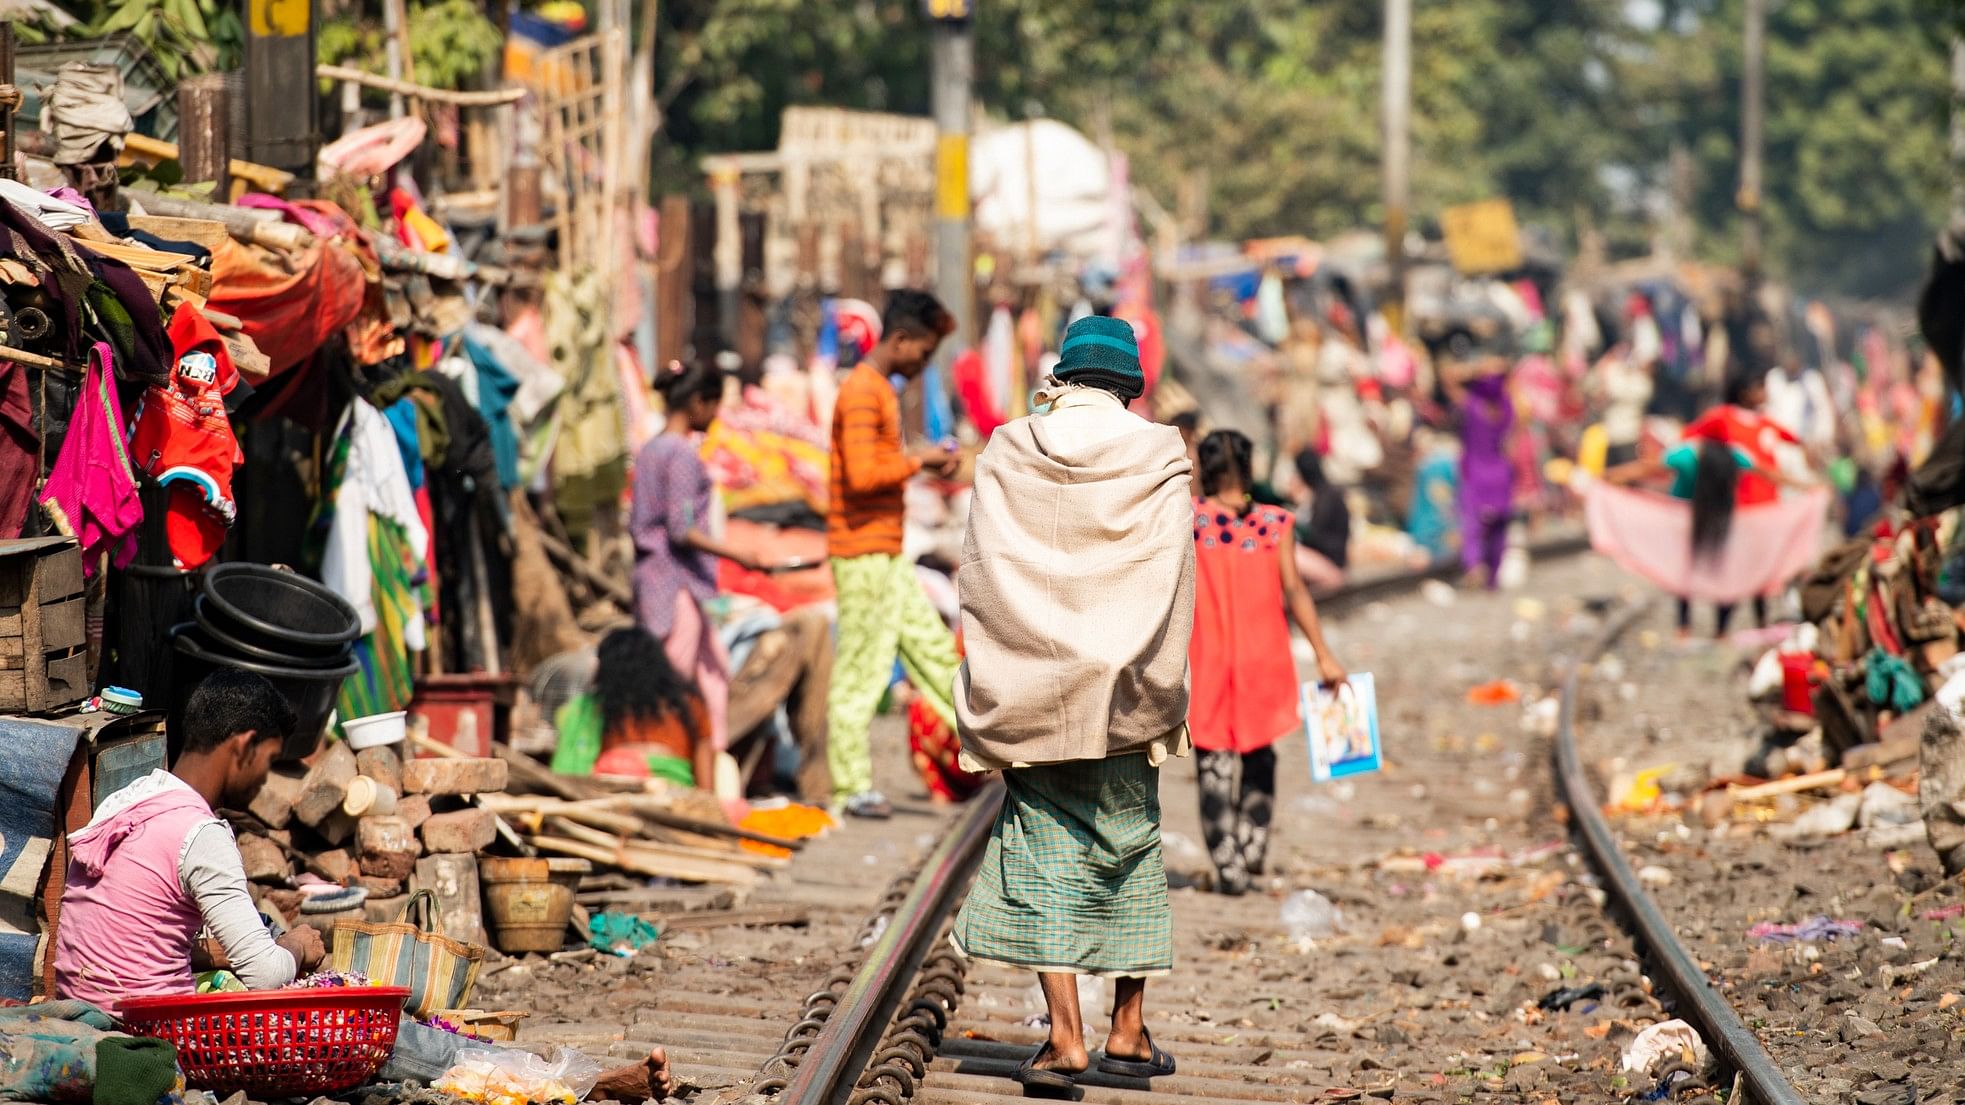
(438,970)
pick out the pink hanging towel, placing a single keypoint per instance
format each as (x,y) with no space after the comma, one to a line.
(91,490)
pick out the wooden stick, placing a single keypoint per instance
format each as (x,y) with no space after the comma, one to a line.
(645,808)
(1820,780)
(642,863)
(491,98)
(577,564)
(8,353)
(263,177)
(531,773)
(760,917)
(566,826)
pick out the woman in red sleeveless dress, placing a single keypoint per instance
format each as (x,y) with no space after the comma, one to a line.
(1244,693)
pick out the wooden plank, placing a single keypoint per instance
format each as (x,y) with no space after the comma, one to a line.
(66,681)
(641,863)
(1820,780)
(64,624)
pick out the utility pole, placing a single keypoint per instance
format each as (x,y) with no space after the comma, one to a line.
(1958,129)
(1398,154)
(954,77)
(1753,90)
(280,88)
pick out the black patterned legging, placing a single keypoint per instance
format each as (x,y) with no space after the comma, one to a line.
(1235,813)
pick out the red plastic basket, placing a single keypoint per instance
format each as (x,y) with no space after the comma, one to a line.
(280,1043)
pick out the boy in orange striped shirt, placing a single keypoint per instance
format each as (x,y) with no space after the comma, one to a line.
(882,608)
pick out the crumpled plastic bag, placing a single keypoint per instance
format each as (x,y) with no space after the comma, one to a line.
(501,1076)
(1674,1041)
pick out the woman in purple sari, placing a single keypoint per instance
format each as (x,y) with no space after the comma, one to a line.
(1487,416)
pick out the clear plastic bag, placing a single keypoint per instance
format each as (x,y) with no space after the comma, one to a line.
(504,1076)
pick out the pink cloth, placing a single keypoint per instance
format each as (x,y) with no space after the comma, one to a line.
(1650,535)
(127,924)
(91,490)
(695,650)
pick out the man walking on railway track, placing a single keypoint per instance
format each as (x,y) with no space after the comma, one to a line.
(1077,584)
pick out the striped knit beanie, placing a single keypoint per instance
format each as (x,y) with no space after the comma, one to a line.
(1103,352)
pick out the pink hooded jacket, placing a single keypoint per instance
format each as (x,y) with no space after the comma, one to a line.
(127,924)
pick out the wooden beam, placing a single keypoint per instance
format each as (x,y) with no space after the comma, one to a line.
(492,98)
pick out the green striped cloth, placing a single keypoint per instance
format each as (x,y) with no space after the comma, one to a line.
(1072,880)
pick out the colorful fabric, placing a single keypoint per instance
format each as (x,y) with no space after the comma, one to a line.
(694,649)
(31,770)
(883,613)
(936,754)
(184,441)
(1486,484)
(1650,535)
(1235,813)
(387,679)
(291,302)
(762,452)
(91,490)
(867,506)
(1244,682)
(1754,434)
(66,1051)
(671,498)
(1072,880)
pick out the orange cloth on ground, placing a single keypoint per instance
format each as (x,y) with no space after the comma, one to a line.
(870,469)
(1244,680)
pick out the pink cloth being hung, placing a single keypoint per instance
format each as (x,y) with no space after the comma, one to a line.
(127,925)
(91,490)
(1650,535)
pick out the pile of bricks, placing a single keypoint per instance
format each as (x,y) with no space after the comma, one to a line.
(411,826)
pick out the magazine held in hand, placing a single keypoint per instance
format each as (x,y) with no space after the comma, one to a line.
(1342,724)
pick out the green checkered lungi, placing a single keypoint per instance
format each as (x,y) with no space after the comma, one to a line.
(1072,881)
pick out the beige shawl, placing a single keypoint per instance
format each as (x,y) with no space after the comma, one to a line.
(1077,587)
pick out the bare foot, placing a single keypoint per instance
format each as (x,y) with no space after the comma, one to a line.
(636,1082)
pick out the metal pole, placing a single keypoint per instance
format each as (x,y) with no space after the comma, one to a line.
(1398,154)
(954,75)
(1958,129)
(1753,82)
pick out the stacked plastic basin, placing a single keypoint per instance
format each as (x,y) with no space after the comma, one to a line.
(275,623)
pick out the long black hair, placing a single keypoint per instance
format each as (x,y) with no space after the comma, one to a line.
(1714,482)
(1226,455)
(634,681)
(1310,469)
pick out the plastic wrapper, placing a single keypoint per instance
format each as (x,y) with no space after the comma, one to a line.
(498,1076)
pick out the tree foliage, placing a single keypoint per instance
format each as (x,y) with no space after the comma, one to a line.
(1570,108)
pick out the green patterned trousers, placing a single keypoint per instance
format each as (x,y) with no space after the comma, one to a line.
(883,612)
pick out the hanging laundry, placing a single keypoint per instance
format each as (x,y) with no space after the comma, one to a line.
(184,441)
(91,491)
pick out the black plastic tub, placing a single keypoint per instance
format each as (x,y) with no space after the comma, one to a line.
(311,691)
(213,634)
(281,612)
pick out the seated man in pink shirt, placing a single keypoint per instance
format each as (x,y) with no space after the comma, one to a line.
(156,866)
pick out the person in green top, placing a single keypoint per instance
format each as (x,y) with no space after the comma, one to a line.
(642,717)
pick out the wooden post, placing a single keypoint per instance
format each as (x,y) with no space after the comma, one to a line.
(203,133)
(7,169)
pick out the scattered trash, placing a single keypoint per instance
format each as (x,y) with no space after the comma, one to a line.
(1530,610)
(1439,592)
(620,934)
(1828,819)
(1640,793)
(1564,998)
(1893,975)
(1671,1040)
(1539,718)
(1943,912)
(1654,876)
(1308,915)
(1501,692)
(1470,921)
(1882,804)
(1813,929)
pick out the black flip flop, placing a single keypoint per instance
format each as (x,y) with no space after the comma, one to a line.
(1160,1065)
(1049,1081)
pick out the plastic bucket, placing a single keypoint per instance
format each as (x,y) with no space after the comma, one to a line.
(310,691)
(214,630)
(375,730)
(529,901)
(282,612)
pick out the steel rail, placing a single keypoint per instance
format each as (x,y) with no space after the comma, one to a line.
(1701,1004)
(839,1056)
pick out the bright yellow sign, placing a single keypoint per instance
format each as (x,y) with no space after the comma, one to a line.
(1482,237)
(278,18)
(952,176)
